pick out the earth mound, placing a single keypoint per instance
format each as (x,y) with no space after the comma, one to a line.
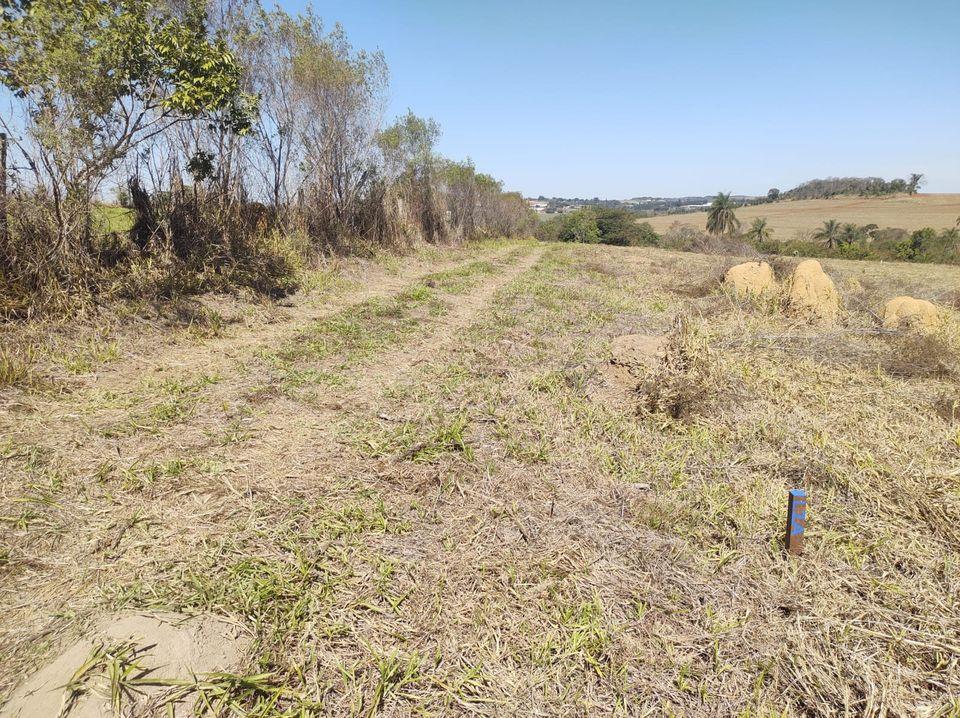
(158,647)
(632,358)
(911,313)
(750,278)
(636,350)
(812,293)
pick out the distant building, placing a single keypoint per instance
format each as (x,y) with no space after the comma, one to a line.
(538,205)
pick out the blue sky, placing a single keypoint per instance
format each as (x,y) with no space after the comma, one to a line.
(618,99)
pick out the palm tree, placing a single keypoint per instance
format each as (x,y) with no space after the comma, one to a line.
(759,230)
(850,234)
(829,234)
(721,219)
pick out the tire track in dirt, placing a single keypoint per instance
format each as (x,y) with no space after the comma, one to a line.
(294,448)
(298,443)
(216,356)
(466,310)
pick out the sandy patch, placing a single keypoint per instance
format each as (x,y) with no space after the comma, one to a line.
(161,647)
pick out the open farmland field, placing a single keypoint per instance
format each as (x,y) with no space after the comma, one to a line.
(787,219)
(422,488)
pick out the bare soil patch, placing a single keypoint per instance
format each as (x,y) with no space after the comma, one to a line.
(132,664)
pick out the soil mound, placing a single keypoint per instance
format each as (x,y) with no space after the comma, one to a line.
(910,313)
(637,350)
(812,293)
(632,358)
(750,278)
(162,646)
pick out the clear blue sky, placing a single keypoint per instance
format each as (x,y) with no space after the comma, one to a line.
(618,99)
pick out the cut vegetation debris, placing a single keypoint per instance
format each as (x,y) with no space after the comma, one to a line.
(506,479)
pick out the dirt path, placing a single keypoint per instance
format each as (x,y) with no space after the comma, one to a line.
(107,485)
(445,336)
(156,353)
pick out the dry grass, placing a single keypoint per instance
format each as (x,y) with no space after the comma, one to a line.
(421,498)
(687,382)
(787,219)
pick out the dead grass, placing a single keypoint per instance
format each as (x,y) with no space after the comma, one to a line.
(418,503)
(948,407)
(16,366)
(687,381)
(925,355)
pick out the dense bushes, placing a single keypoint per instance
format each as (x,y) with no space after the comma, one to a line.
(599,225)
(851,242)
(245,140)
(890,244)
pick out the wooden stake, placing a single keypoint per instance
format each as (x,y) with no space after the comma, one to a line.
(3,188)
(796,520)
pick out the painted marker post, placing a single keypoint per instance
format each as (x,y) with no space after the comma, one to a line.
(796,520)
(3,188)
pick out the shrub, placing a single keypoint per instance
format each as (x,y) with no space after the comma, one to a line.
(606,225)
(620,227)
(688,381)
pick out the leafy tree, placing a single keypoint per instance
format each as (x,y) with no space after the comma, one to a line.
(342,92)
(607,225)
(408,144)
(620,227)
(829,234)
(913,248)
(916,179)
(834,186)
(99,77)
(759,230)
(648,235)
(580,226)
(722,219)
(773,194)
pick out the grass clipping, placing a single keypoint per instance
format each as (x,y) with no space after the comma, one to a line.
(688,381)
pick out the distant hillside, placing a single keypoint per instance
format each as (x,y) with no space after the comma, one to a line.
(853,186)
(787,218)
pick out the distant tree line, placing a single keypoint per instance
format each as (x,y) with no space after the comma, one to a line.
(245,140)
(860,186)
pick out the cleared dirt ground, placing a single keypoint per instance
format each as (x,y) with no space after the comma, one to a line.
(940,211)
(422,489)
